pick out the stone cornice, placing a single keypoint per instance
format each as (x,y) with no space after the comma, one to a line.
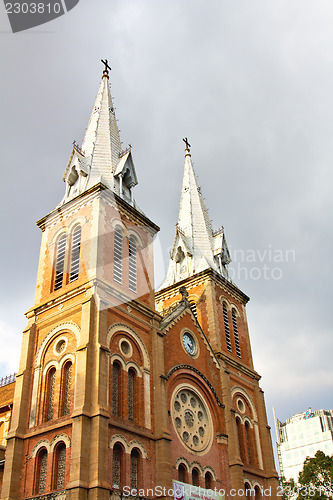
(199,278)
(87,196)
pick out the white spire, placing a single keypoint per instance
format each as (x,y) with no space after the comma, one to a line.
(100,159)
(196,247)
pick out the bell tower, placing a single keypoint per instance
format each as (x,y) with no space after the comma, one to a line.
(199,262)
(83,415)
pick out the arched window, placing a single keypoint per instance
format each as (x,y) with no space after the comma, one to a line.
(131,393)
(49,394)
(59,467)
(135,459)
(116,382)
(117,465)
(257,493)
(241,440)
(226,327)
(132,271)
(75,254)
(182,473)
(66,389)
(60,262)
(234,323)
(40,471)
(250,441)
(248,492)
(118,256)
(208,481)
(195,477)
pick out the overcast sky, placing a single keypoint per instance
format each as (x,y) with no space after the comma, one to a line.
(249,82)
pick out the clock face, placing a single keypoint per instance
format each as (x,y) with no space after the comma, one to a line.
(189,343)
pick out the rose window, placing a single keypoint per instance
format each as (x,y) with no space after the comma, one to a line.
(192,420)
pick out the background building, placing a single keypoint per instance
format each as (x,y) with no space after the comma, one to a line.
(302,436)
(110,391)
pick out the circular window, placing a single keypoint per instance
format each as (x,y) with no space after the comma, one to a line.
(192,420)
(240,405)
(125,348)
(60,346)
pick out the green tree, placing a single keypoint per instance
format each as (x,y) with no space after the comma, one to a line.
(315,482)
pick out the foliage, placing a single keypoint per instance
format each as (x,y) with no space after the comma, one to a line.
(316,479)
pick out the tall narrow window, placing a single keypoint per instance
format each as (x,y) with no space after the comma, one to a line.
(248,440)
(226,327)
(59,467)
(60,263)
(118,256)
(75,254)
(131,393)
(117,465)
(208,481)
(195,477)
(66,388)
(40,471)
(257,493)
(135,456)
(132,277)
(182,473)
(234,323)
(49,394)
(115,388)
(240,440)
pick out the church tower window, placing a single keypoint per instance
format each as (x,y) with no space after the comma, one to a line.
(117,464)
(135,458)
(132,271)
(116,381)
(40,471)
(234,323)
(118,256)
(66,388)
(226,327)
(49,394)
(75,254)
(60,262)
(59,467)
(131,393)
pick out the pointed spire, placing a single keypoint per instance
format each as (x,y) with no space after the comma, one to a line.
(196,247)
(101,159)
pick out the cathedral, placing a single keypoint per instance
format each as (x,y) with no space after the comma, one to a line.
(123,390)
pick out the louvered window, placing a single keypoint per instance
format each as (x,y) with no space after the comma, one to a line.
(41,469)
(226,327)
(49,401)
(131,391)
(132,265)
(60,466)
(60,263)
(116,465)
(115,388)
(134,468)
(66,388)
(118,256)
(234,322)
(75,255)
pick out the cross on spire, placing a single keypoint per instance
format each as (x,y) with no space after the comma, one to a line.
(106,67)
(187,146)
